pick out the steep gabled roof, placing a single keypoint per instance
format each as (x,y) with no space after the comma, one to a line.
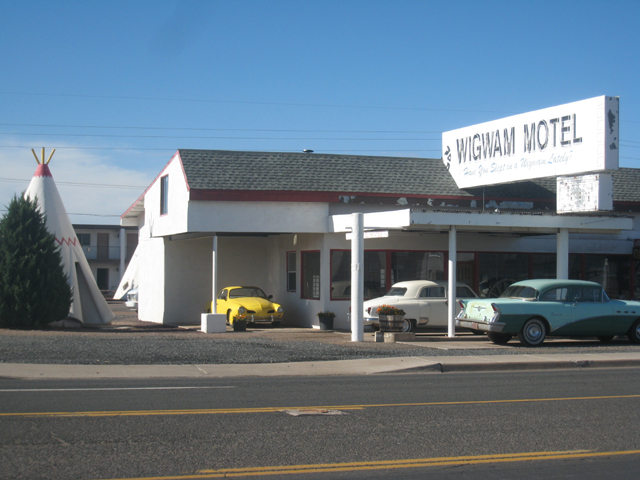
(318,172)
(311,172)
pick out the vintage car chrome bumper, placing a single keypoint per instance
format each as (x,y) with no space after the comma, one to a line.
(260,318)
(480,325)
(372,321)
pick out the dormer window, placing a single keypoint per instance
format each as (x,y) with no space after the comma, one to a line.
(164,195)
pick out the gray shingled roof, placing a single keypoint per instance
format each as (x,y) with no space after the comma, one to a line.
(319,172)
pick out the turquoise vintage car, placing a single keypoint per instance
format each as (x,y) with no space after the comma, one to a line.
(535,309)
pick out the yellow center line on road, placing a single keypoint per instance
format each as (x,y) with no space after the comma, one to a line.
(388,464)
(216,411)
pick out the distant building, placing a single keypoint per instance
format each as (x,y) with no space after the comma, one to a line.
(108,249)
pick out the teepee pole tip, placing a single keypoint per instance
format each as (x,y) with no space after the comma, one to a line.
(50,155)
(34,154)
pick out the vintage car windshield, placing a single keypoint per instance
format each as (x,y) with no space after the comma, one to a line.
(520,291)
(247,292)
(396,292)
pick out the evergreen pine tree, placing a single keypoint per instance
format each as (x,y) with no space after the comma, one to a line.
(34,290)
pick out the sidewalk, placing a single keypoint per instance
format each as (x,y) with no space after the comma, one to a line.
(397,365)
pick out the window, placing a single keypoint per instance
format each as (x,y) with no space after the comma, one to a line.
(555,295)
(164,195)
(84,239)
(291,272)
(417,266)
(612,272)
(543,265)
(396,292)
(310,274)
(375,283)
(587,294)
(499,270)
(432,292)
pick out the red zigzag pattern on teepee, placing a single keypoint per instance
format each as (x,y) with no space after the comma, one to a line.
(68,241)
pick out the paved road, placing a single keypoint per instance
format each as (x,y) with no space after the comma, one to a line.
(560,424)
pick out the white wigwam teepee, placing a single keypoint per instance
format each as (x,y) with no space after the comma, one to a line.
(89,305)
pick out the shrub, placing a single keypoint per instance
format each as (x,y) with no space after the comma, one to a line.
(34,290)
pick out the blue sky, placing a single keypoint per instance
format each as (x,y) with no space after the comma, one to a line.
(117,86)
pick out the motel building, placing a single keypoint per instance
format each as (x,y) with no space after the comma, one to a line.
(537,195)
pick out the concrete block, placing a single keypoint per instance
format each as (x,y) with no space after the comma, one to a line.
(378,337)
(213,322)
(393,337)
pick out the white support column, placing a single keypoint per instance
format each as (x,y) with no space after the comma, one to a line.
(357,277)
(123,251)
(562,256)
(451,300)
(214,272)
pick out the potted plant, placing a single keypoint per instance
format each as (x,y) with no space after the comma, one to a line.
(390,318)
(326,320)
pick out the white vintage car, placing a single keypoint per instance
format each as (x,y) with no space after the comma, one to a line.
(424,302)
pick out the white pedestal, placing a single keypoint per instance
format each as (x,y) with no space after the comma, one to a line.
(213,322)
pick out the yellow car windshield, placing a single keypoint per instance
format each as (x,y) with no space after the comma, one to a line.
(247,292)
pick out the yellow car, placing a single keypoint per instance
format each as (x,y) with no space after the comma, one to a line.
(249,304)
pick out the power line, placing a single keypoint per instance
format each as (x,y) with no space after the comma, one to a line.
(287,104)
(95,148)
(78,184)
(214,138)
(215,129)
(228,129)
(85,214)
(175,149)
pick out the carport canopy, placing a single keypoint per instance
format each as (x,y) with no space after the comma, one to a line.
(410,220)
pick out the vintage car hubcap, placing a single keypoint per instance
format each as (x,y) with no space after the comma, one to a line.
(638,331)
(534,331)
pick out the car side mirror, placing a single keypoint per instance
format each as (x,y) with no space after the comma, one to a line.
(269,297)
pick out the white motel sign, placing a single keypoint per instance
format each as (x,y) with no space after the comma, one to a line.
(570,139)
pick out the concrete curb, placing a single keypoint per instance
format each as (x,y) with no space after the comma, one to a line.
(497,367)
(373,366)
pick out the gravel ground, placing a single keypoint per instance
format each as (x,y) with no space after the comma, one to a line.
(128,341)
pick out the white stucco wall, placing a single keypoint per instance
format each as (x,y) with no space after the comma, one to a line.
(151,280)
(243,261)
(252,217)
(176,220)
(187,280)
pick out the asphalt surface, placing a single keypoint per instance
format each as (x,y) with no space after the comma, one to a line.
(130,342)
(505,425)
